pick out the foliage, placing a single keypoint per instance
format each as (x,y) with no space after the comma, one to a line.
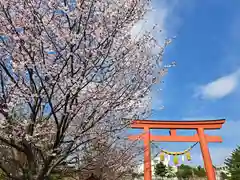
(71,75)
(2,175)
(223,176)
(199,172)
(170,173)
(187,172)
(137,175)
(184,172)
(233,164)
(55,177)
(160,170)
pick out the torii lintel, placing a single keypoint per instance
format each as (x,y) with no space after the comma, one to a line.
(152,124)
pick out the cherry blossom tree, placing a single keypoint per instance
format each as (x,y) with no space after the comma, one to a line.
(109,159)
(70,73)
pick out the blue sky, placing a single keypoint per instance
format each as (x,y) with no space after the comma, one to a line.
(205,82)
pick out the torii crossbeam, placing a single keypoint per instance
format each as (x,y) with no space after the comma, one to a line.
(200,137)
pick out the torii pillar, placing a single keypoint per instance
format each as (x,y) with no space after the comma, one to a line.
(200,137)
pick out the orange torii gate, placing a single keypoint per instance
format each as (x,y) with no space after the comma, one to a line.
(200,136)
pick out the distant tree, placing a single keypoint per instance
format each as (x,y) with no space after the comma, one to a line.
(223,176)
(2,175)
(233,164)
(184,172)
(160,170)
(199,172)
(137,175)
(55,177)
(170,173)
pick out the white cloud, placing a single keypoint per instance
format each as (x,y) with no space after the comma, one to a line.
(158,15)
(220,87)
(150,20)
